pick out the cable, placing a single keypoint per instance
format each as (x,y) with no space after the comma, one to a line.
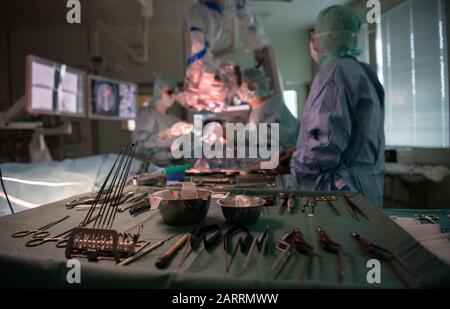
(4,190)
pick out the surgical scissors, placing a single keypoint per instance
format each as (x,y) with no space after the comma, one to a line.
(60,239)
(40,232)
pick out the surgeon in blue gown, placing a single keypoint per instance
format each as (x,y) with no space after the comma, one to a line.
(341,141)
(267,107)
(153,131)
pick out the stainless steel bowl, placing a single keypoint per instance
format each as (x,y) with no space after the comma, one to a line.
(177,211)
(241,214)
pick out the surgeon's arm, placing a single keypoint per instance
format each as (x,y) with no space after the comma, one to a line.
(326,131)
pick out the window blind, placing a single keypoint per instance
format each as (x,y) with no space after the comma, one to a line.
(413,67)
(363,44)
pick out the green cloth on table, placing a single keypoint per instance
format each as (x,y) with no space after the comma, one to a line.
(45,266)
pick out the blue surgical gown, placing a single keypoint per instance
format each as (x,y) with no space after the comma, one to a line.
(341,141)
(149,124)
(275,111)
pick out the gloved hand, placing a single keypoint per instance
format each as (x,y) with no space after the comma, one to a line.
(165,135)
(182,128)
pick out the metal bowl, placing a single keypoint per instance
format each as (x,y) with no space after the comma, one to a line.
(177,211)
(241,213)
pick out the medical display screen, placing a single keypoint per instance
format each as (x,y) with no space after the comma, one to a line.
(54,89)
(112,99)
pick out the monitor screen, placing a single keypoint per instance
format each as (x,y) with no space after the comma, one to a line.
(54,89)
(112,99)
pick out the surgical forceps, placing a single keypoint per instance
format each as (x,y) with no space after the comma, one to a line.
(60,239)
(333,247)
(40,232)
(387,256)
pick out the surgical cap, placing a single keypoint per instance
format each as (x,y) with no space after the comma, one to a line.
(159,83)
(257,82)
(336,30)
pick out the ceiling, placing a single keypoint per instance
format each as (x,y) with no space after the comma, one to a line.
(280,13)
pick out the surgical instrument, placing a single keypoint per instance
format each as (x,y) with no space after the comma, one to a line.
(201,236)
(283,201)
(101,241)
(285,247)
(333,247)
(260,243)
(60,239)
(430,218)
(90,199)
(140,207)
(305,248)
(146,250)
(308,202)
(353,209)
(333,208)
(243,243)
(164,260)
(387,256)
(329,199)
(291,203)
(135,200)
(40,232)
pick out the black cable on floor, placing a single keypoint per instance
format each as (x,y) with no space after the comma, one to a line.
(4,190)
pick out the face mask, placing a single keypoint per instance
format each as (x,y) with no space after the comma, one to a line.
(246,94)
(166,100)
(314,53)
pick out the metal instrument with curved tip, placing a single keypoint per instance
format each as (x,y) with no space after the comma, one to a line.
(40,232)
(243,243)
(291,203)
(60,239)
(387,256)
(145,250)
(201,236)
(332,247)
(285,247)
(353,209)
(305,248)
(283,202)
(260,244)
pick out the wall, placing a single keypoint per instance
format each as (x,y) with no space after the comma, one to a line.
(4,70)
(66,44)
(438,193)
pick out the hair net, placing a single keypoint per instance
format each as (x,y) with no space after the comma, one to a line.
(336,31)
(257,82)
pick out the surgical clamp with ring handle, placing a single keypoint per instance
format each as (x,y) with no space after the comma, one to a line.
(40,232)
(386,255)
(332,247)
(60,239)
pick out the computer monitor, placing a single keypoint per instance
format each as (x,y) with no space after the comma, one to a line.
(54,89)
(111,99)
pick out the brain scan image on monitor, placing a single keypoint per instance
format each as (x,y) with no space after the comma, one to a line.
(106,100)
(112,99)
